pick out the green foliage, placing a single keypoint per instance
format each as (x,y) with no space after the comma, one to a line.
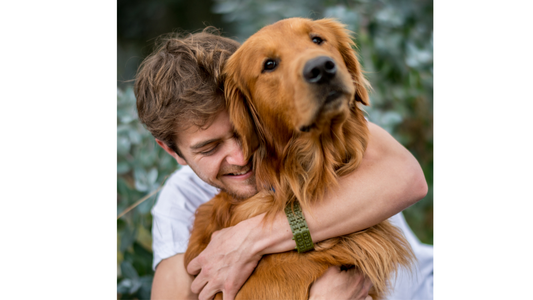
(395,45)
(141,168)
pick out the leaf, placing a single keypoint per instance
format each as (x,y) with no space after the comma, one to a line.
(124,286)
(146,286)
(142,260)
(140,186)
(140,176)
(127,237)
(123,145)
(128,271)
(123,167)
(151,176)
(145,207)
(144,238)
(135,286)
(135,136)
(123,187)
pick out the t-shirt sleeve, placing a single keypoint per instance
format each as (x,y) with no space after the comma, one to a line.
(416,285)
(173,213)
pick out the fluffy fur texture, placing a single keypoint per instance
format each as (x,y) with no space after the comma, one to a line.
(293,91)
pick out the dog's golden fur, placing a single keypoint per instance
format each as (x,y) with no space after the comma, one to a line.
(301,142)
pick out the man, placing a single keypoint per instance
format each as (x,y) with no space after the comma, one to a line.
(181,102)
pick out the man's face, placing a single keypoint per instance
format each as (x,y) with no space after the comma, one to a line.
(215,155)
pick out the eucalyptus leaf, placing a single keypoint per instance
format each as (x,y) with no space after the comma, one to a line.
(127,237)
(123,188)
(128,271)
(135,136)
(141,186)
(123,145)
(146,286)
(152,176)
(122,167)
(139,174)
(127,117)
(145,207)
(124,286)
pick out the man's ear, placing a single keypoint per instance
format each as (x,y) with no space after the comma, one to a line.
(165,147)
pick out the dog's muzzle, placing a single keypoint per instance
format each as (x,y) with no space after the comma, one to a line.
(321,74)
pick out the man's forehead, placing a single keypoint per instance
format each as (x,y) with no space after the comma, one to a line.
(216,128)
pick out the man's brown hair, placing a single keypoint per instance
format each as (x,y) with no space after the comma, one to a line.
(180,83)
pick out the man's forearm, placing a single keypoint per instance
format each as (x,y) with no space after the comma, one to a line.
(388,180)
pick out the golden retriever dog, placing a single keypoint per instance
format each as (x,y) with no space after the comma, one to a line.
(294,92)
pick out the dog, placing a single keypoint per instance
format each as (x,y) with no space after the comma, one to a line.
(295,92)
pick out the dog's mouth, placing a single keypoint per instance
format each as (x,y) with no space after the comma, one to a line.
(332,102)
(332,96)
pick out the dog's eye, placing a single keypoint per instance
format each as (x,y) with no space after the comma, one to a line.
(269,65)
(317,40)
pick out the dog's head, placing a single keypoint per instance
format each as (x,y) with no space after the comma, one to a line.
(291,77)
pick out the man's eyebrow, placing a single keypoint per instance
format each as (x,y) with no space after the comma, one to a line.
(203,143)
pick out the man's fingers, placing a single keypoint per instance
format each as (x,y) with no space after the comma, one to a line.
(198,283)
(230,289)
(194,266)
(368,298)
(208,293)
(228,296)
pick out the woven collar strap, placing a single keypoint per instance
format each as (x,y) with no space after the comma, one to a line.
(299,228)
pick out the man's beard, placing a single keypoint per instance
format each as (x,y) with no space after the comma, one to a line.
(240,196)
(250,182)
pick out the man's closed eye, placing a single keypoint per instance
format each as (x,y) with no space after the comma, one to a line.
(209,150)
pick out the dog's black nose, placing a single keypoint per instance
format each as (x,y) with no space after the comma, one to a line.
(319,70)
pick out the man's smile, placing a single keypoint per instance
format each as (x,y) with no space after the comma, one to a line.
(241,176)
(243,173)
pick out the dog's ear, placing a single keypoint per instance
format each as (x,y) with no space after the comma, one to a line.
(239,110)
(345,45)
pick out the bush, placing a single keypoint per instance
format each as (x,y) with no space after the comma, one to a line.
(142,166)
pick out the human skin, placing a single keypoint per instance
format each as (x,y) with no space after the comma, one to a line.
(214,154)
(388,180)
(337,284)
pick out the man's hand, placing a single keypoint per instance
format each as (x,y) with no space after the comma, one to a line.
(226,263)
(337,284)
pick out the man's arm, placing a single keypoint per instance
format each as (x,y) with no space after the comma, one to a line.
(171,281)
(181,195)
(388,180)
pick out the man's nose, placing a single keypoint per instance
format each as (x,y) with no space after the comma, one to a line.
(235,156)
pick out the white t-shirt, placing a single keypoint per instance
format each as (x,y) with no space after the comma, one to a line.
(184,191)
